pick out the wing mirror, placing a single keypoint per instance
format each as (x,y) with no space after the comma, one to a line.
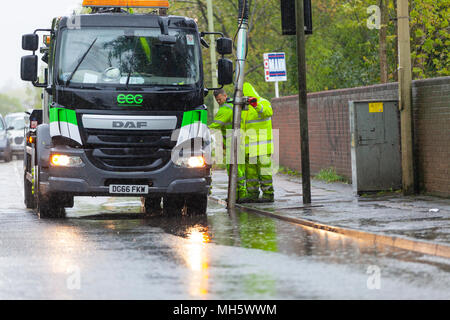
(224,46)
(225,72)
(30,42)
(29,68)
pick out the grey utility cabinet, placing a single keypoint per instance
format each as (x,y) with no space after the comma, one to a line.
(375,145)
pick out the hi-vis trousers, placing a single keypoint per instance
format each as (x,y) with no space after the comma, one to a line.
(241,187)
(258,172)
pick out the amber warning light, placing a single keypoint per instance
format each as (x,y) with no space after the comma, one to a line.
(127,3)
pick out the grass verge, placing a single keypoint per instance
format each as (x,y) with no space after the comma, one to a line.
(329,175)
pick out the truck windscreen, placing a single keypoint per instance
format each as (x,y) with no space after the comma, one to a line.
(99,56)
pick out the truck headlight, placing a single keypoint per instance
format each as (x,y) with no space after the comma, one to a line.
(191,162)
(61,160)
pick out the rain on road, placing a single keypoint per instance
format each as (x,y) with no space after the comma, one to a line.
(107,249)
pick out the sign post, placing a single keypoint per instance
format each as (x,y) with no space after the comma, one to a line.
(275,69)
(303,103)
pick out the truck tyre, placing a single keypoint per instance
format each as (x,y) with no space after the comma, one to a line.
(65,200)
(50,207)
(28,193)
(173,206)
(150,204)
(47,206)
(196,205)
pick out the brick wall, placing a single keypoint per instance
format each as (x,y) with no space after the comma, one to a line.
(431,103)
(329,130)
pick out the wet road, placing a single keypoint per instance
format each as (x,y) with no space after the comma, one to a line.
(106,249)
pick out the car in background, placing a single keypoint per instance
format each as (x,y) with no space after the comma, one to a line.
(10,117)
(16,131)
(5,147)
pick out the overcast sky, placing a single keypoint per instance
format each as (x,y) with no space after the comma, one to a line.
(19,17)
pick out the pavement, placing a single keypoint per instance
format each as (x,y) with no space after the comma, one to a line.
(418,223)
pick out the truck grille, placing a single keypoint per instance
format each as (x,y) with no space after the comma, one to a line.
(128,151)
(18,140)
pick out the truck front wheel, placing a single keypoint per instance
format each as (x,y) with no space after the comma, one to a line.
(173,205)
(49,205)
(151,205)
(28,193)
(196,204)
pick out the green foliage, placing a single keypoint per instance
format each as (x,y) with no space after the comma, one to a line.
(20,100)
(329,175)
(264,35)
(289,172)
(430,38)
(33,97)
(342,52)
(9,104)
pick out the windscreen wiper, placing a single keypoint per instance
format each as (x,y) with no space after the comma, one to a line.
(80,61)
(131,63)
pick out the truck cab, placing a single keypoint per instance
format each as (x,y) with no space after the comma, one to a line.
(123,111)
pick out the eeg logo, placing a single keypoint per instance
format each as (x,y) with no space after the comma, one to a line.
(130,100)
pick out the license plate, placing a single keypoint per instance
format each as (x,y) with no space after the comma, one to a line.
(127,189)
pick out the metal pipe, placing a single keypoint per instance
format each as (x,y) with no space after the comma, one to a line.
(238,101)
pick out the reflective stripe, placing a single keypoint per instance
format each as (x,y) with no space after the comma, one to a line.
(241,179)
(222,123)
(262,109)
(258,143)
(261,120)
(253,180)
(252,188)
(266,181)
(228,106)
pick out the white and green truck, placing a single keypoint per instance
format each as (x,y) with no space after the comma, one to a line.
(123,110)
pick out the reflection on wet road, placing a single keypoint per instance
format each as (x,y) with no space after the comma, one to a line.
(107,249)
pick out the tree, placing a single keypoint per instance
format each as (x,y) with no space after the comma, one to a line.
(342,52)
(430,38)
(9,104)
(383,39)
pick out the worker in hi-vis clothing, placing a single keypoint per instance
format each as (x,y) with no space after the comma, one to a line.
(223,121)
(257,129)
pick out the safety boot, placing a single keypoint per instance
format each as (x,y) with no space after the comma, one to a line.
(267,199)
(246,200)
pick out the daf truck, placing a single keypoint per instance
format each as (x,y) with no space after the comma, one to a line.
(123,109)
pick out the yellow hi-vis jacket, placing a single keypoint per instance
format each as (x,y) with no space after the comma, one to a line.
(256,125)
(223,121)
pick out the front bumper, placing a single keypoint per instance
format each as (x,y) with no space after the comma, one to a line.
(90,180)
(17,148)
